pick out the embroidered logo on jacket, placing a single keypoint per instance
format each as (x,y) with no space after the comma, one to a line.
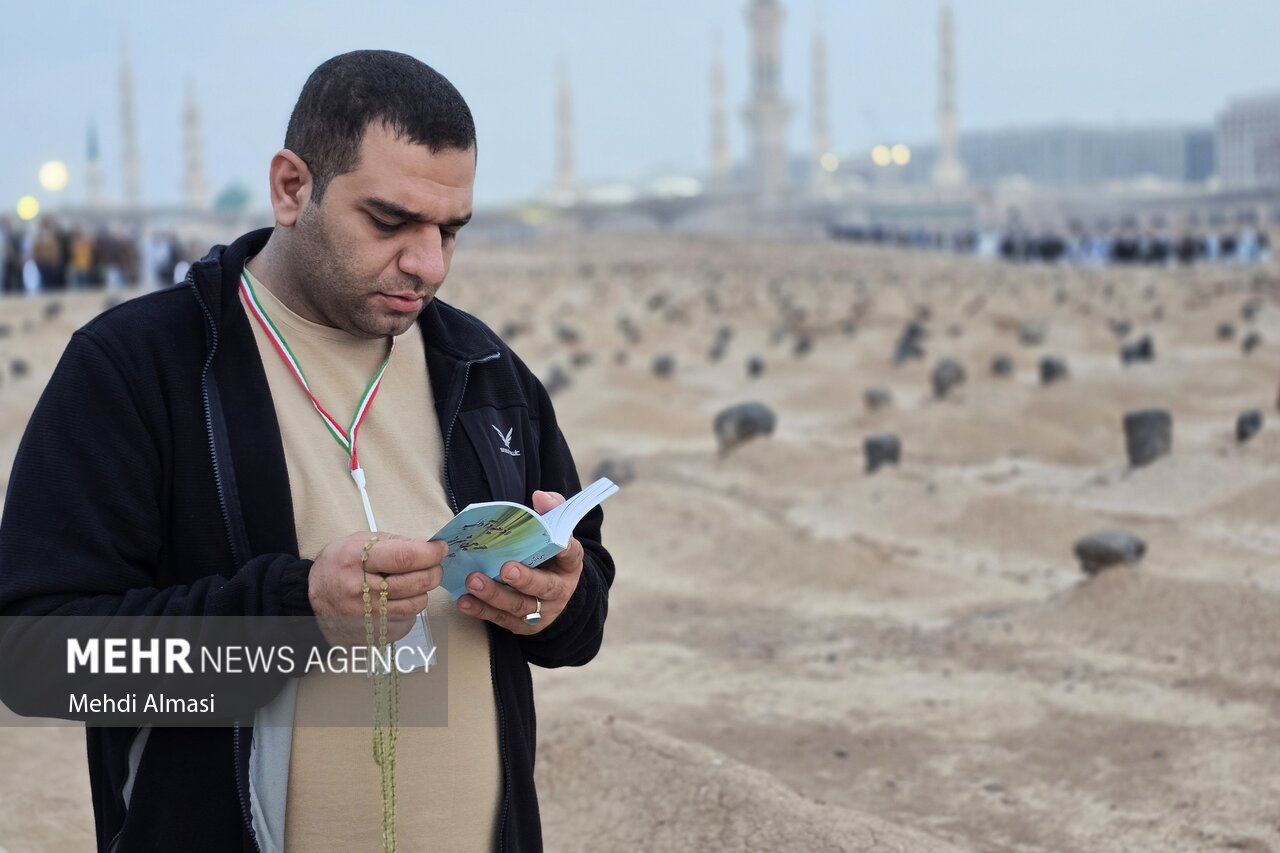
(506,440)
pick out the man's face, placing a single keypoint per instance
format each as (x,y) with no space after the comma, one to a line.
(377,247)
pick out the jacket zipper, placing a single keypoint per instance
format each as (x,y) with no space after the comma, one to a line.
(115,839)
(244,802)
(226,520)
(493,678)
(502,750)
(453,420)
(208,422)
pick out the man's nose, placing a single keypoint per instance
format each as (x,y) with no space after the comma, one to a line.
(424,259)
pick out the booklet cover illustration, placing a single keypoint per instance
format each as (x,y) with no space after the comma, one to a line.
(485,536)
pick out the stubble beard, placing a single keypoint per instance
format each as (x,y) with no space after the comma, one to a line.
(326,283)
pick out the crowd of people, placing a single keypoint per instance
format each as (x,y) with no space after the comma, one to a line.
(50,256)
(1245,245)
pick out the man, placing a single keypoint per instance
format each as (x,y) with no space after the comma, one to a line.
(178,464)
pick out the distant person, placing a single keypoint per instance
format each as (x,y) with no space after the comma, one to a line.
(179,260)
(30,278)
(1188,249)
(48,256)
(1212,247)
(176,464)
(1248,250)
(81,260)
(106,266)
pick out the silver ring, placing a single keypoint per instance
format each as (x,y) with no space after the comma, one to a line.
(536,616)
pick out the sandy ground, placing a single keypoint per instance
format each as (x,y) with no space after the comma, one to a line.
(802,656)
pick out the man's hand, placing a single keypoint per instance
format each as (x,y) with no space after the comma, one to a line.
(552,583)
(411,566)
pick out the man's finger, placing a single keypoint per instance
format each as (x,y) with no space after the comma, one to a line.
(405,607)
(570,559)
(409,584)
(473,606)
(397,556)
(546,501)
(501,596)
(536,582)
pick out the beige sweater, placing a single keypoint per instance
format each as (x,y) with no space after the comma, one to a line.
(449,779)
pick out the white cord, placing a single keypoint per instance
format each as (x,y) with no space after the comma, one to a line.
(357,474)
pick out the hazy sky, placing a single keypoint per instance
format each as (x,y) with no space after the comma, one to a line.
(639,72)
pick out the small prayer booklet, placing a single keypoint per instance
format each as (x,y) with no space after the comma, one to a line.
(485,536)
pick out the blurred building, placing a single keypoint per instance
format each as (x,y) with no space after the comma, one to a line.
(1248,142)
(948,169)
(566,171)
(130,162)
(766,112)
(94,194)
(195,188)
(1073,155)
(721,158)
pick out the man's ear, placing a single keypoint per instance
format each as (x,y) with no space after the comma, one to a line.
(291,186)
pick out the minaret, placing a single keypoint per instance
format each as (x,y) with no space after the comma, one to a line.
(94,196)
(565,178)
(766,114)
(195,190)
(130,171)
(719,122)
(820,178)
(949,171)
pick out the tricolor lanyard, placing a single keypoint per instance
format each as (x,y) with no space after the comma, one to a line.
(345,438)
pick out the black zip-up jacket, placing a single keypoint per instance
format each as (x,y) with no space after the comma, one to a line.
(151,480)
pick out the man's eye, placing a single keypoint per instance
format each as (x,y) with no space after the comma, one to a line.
(384,226)
(448,234)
